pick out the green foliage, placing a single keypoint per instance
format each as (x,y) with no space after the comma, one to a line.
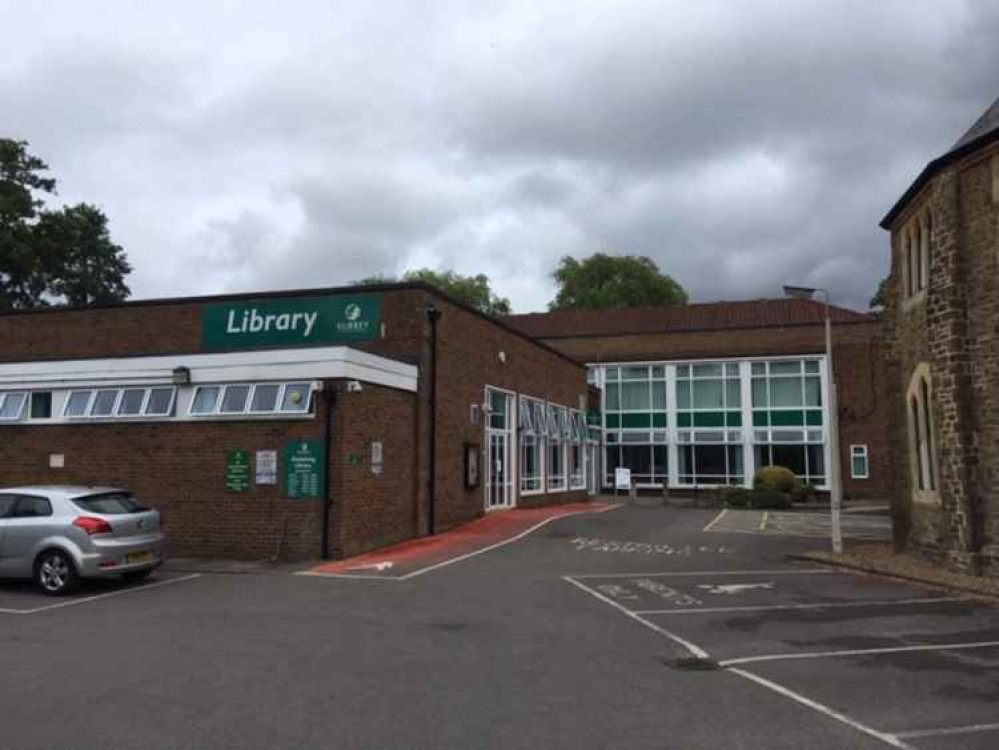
(771,500)
(776,478)
(51,256)
(604,282)
(804,493)
(738,497)
(880,298)
(474,290)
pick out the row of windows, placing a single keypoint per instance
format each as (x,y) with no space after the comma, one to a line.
(552,440)
(159,401)
(916,254)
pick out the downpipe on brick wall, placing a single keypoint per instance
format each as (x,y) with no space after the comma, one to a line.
(329,400)
(433,315)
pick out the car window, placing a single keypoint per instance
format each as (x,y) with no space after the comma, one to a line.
(6,503)
(110,503)
(31,507)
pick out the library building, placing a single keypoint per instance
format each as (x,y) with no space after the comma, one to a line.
(330,422)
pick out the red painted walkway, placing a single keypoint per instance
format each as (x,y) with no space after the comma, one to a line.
(417,556)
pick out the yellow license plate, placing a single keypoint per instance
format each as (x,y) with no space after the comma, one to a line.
(136,557)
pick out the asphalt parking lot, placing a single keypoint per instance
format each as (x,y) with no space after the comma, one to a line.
(630,628)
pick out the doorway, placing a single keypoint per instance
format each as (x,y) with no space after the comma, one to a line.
(500,454)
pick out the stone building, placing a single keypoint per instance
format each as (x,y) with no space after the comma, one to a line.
(942,353)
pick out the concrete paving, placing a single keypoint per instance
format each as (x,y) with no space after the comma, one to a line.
(577,636)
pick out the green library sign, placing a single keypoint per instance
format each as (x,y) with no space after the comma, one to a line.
(303,469)
(237,471)
(292,321)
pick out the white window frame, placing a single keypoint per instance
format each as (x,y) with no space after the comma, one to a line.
(538,433)
(859,451)
(247,411)
(577,420)
(25,398)
(557,441)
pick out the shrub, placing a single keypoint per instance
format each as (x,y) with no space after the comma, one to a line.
(771,500)
(737,497)
(803,494)
(776,478)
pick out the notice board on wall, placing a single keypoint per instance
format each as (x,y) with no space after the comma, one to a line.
(303,472)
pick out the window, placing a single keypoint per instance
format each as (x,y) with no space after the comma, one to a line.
(801,451)
(6,504)
(710,457)
(916,254)
(41,405)
(236,399)
(708,395)
(642,451)
(577,477)
(922,435)
(532,442)
(557,448)
(31,507)
(787,393)
(12,405)
(634,397)
(858,462)
(117,403)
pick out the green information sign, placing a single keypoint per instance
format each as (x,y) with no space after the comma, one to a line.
(237,471)
(303,469)
(295,321)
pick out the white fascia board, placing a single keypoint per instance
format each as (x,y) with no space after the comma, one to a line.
(273,364)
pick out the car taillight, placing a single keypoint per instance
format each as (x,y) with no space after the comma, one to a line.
(93,525)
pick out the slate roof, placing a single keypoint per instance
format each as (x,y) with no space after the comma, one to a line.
(983,132)
(711,316)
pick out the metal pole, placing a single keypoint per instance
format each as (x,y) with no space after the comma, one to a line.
(835,480)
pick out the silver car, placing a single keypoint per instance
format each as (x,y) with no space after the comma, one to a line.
(57,535)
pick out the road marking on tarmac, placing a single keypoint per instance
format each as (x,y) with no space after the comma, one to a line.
(828,605)
(947,731)
(779,572)
(716,519)
(85,599)
(734,588)
(862,652)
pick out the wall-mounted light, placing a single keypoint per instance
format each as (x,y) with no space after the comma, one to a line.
(474,413)
(181,376)
(502,357)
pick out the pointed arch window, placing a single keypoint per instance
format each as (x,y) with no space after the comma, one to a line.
(922,435)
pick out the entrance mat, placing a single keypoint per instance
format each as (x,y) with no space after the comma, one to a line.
(417,556)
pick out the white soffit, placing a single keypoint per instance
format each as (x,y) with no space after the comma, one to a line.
(273,364)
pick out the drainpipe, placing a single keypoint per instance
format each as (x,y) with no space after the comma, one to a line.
(329,400)
(433,315)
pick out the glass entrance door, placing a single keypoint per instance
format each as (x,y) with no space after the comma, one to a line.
(499,450)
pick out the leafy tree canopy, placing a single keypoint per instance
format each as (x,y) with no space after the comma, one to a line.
(49,256)
(475,290)
(603,282)
(880,298)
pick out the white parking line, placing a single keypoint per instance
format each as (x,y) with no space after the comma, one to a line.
(695,650)
(945,731)
(862,652)
(889,739)
(678,573)
(85,599)
(827,605)
(716,519)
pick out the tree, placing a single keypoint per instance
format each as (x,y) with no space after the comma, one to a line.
(475,290)
(604,282)
(51,256)
(880,298)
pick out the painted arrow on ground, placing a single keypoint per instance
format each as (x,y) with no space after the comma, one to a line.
(379,566)
(734,588)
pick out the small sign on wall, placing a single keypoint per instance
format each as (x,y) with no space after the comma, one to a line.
(303,469)
(471,466)
(57,461)
(237,471)
(377,457)
(266,467)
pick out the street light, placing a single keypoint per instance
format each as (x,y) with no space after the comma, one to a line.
(835,482)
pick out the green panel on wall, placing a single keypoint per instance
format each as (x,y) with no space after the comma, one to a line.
(787,418)
(709,419)
(658,419)
(760,419)
(683,419)
(813,418)
(613,421)
(636,420)
(733,419)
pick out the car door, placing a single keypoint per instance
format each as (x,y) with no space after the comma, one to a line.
(26,524)
(6,505)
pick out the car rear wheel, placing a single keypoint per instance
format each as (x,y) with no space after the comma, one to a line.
(54,573)
(134,576)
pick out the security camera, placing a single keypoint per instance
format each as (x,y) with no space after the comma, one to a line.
(354,386)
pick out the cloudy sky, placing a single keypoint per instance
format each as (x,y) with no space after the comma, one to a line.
(242,146)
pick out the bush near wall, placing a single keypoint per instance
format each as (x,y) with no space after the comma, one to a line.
(776,479)
(740,497)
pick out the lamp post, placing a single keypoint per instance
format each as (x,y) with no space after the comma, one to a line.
(835,481)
